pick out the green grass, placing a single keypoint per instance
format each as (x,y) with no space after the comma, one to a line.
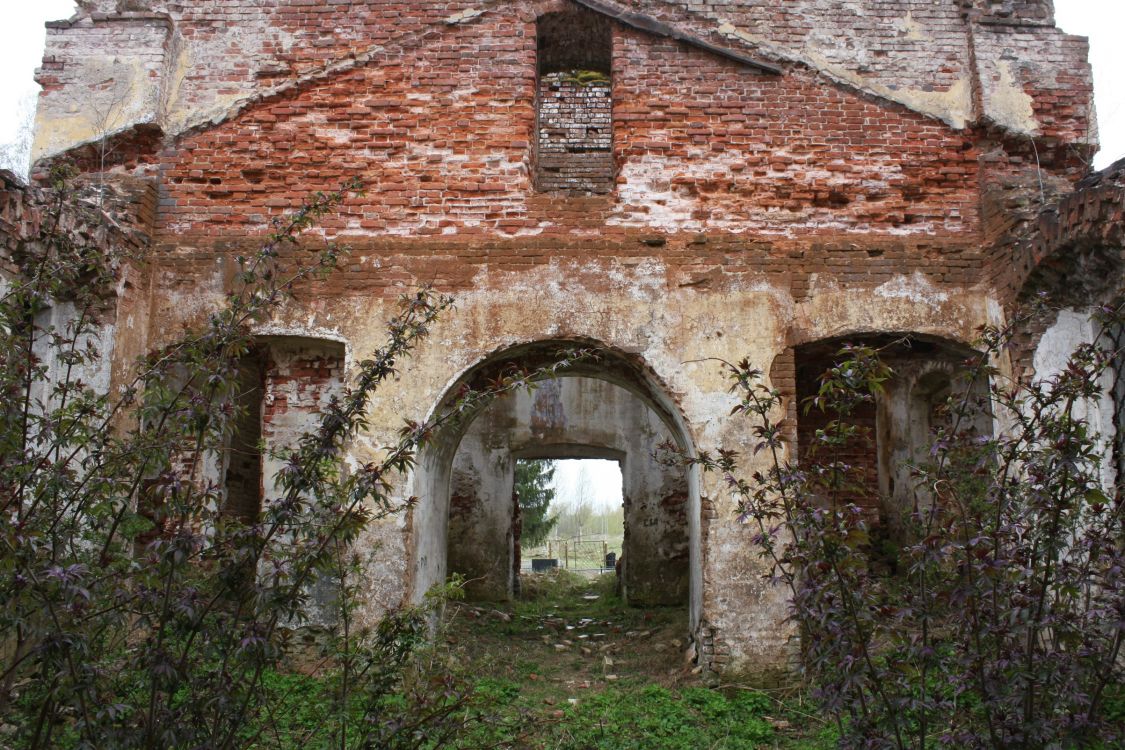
(656,717)
(304,704)
(630,716)
(633,689)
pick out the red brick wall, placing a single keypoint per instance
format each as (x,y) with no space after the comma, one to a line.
(575,147)
(718,146)
(442,136)
(1049,66)
(242,45)
(269,42)
(299,381)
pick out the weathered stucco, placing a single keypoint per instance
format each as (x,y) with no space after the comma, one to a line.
(784,174)
(1072,329)
(913,52)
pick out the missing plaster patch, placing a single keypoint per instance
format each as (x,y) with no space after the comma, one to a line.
(915,287)
(1008,104)
(466,15)
(910,29)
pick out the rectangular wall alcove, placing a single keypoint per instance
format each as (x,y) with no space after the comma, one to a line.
(574,104)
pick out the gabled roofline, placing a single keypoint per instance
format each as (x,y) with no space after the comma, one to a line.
(634,20)
(649,24)
(612,10)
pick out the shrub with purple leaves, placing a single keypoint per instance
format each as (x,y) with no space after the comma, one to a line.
(1002,622)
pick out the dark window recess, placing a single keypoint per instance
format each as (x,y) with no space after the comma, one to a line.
(859,453)
(244,463)
(574,138)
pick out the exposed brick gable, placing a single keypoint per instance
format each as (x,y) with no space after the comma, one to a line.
(947,60)
(700,143)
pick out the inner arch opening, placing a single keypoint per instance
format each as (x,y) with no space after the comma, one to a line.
(570,515)
(466,518)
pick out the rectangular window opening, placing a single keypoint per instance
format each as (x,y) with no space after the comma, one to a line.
(574,104)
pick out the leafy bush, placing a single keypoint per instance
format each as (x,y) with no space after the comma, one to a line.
(1005,627)
(134,610)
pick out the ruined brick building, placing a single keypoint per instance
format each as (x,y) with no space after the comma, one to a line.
(675,180)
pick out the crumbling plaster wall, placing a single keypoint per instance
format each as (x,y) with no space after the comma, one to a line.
(1071,329)
(914,52)
(1029,77)
(637,298)
(896,425)
(671,303)
(101,75)
(572,417)
(301,375)
(910,409)
(921,53)
(752,211)
(116,220)
(702,144)
(480,541)
(674,331)
(1071,256)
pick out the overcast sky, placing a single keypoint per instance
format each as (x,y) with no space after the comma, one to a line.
(22,35)
(595,481)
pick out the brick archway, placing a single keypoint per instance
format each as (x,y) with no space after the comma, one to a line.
(428,522)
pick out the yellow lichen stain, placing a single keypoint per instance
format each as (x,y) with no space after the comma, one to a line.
(182,115)
(177,70)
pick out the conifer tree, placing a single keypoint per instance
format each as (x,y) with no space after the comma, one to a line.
(535,493)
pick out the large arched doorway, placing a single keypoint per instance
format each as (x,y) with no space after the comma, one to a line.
(610,406)
(575,417)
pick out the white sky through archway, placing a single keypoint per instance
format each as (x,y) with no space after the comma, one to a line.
(596,481)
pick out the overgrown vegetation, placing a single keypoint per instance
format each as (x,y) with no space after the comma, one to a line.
(495,677)
(1005,628)
(570,667)
(134,611)
(586,77)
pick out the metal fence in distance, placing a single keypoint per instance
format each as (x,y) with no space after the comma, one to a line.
(574,554)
